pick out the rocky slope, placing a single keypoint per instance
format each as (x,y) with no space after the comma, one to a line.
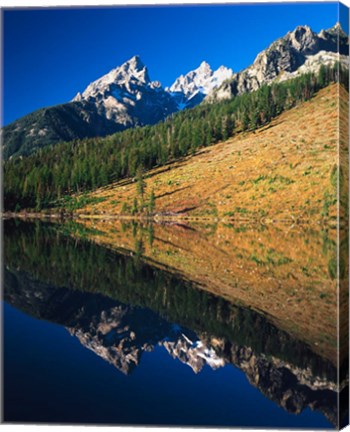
(190,89)
(128,97)
(299,51)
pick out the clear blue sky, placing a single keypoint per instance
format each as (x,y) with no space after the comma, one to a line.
(51,54)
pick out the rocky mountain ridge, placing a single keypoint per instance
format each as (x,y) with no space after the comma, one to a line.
(299,51)
(126,97)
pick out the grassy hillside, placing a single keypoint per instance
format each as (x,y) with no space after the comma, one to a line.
(45,178)
(285,170)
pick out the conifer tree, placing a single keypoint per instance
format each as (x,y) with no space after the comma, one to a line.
(140,184)
(152,202)
(135,207)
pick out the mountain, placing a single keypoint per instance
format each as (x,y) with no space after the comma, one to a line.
(126,97)
(123,98)
(190,89)
(51,125)
(299,51)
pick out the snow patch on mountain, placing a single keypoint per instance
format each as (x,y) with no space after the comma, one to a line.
(190,89)
(131,72)
(314,62)
(127,96)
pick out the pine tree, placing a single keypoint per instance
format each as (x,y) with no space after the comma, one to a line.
(125,208)
(245,120)
(227,127)
(254,120)
(322,76)
(152,202)
(140,184)
(135,207)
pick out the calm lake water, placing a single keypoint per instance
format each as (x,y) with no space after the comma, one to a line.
(101,333)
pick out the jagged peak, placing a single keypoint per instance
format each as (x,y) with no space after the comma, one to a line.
(134,63)
(204,67)
(301,32)
(337,28)
(303,27)
(132,69)
(203,79)
(222,68)
(293,37)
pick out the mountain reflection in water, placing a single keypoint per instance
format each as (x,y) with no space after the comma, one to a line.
(120,298)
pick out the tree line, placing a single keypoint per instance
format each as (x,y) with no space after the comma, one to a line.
(43,179)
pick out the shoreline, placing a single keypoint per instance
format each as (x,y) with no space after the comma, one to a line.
(161,218)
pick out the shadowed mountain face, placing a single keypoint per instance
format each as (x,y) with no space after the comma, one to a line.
(120,307)
(66,122)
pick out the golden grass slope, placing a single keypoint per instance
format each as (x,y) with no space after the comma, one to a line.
(281,171)
(288,274)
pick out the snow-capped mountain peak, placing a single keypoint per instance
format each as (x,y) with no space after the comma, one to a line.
(191,88)
(132,71)
(220,75)
(202,79)
(204,68)
(136,69)
(129,82)
(126,93)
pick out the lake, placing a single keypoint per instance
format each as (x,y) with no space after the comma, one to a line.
(110,322)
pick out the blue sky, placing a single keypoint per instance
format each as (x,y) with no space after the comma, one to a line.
(51,54)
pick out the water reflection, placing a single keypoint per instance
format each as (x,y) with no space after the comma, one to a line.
(207,296)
